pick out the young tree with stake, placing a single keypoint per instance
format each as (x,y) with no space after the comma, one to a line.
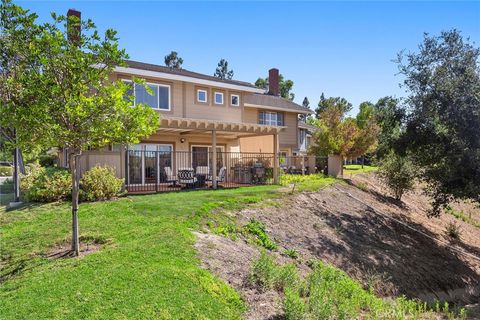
(81,106)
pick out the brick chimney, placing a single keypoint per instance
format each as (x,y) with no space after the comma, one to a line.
(73,28)
(273,85)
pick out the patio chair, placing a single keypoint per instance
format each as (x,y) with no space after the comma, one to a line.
(170,177)
(187,176)
(220,176)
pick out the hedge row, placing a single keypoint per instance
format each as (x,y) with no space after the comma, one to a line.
(53,184)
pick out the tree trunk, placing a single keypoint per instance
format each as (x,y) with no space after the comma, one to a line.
(363,157)
(74,170)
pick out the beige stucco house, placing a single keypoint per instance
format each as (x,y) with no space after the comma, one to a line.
(202,118)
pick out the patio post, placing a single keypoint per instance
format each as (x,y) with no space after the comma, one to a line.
(214,160)
(275,158)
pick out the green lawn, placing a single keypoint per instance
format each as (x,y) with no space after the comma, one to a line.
(350,169)
(310,182)
(147,269)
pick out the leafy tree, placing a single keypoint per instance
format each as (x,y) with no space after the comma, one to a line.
(172,60)
(222,71)
(18,68)
(333,102)
(365,114)
(390,117)
(285,86)
(344,136)
(398,172)
(442,129)
(80,108)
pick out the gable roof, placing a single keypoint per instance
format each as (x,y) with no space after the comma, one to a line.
(274,103)
(185,73)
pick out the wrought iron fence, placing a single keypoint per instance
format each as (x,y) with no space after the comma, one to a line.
(157,171)
(303,164)
(160,171)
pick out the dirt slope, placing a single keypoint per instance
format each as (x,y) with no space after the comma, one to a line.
(393,246)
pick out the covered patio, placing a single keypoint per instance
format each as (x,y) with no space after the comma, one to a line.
(180,156)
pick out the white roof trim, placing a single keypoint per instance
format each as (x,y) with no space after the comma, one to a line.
(177,77)
(249,105)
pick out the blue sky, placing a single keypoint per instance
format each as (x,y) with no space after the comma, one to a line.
(339,48)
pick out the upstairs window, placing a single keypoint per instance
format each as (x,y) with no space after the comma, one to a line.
(159,99)
(235,100)
(218,98)
(202,96)
(270,118)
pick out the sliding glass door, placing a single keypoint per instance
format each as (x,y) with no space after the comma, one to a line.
(202,156)
(147,162)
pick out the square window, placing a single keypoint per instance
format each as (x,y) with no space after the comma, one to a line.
(202,95)
(235,100)
(218,98)
(270,118)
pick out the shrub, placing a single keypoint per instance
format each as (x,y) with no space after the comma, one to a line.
(100,183)
(292,253)
(5,171)
(453,230)
(293,305)
(329,293)
(46,184)
(269,275)
(6,186)
(47,160)
(398,173)
(256,229)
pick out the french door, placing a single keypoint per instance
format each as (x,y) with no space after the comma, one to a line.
(147,162)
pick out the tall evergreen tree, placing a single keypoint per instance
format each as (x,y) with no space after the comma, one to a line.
(339,103)
(172,60)
(222,70)
(306,103)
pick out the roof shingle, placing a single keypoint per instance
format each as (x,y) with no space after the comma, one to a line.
(275,101)
(183,72)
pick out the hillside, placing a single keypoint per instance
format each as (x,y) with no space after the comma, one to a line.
(389,246)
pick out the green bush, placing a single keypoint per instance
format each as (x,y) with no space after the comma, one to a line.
(293,305)
(100,183)
(46,184)
(6,186)
(48,160)
(398,173)
(292,253)
(329,293)
(5,171)
(256,229)
(269,275)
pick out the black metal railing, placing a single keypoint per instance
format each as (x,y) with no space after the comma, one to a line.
(157,171)
(160,171)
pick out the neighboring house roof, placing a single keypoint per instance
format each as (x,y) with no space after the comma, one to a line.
(307,126)
(184,73)
(274,103)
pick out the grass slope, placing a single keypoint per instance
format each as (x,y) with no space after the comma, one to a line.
(147,269)
(350,169)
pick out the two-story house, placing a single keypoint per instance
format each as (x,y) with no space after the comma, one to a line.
(202,118)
